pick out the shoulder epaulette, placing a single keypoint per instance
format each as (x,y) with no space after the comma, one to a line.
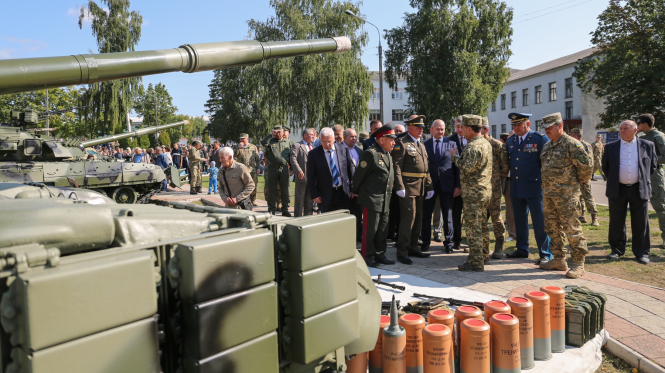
(539,134)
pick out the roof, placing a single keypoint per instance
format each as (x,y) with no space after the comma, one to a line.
(563,61)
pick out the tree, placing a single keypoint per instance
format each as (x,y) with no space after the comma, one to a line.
(628,69)
(164,138)
(308,91)
(144,105)
(117,29)
(453,54)
(206,138)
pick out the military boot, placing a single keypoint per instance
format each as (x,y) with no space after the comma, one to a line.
(576,270)
(583,219)
(556,264)
(594,220)
(498,249)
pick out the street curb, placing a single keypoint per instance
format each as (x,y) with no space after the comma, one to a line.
(632,357)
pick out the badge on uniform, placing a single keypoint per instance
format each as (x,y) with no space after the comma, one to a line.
(530,148)
(397,147)
(363,164)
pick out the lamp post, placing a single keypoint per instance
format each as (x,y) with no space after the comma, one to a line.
(380,64)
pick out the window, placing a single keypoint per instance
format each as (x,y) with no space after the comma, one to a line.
(398,115)
(525,97)
(503,102)
(539,97)
(494,131)
(539,125)
(398,94)
(513,99)
(503,128)
(553,91)
(493,105)
(569,110)
(569,87)
(374,115)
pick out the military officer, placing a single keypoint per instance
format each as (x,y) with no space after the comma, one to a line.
(586,198)
(565,165)
(413,185)
(645,124)
(499,173)
(523,154)
(277,151)
(598,149)
(195,168)
(248,155)
(475,165)
(373,183)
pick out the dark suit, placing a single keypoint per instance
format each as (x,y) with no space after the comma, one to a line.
(445,178)
(636,195)
(356,209)
(458,203)
(368,143)
(320,179)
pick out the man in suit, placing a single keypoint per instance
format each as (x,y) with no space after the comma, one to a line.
(445,178)
(526,192)
(303,201)
(373,126)
(628,165)
(458,203)
(350,138)
(329,173)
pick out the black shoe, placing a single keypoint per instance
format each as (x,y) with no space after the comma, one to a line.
(448,249)
(286,213)
(613,256)
(424,247)
(404,259)
(438,238)
(418,254)
(372,263)
(515,255)
(643,260)
(383,260)
(456,246)
(466,267)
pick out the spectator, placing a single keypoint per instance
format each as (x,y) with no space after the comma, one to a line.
(338,130)
(235,181)
(176,154)
(138,155)
(302,206)
(350,140)
(167,152)
(162,161)
(212,179)
(373,126)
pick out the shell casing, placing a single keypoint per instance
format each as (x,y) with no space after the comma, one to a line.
(557,316)
(438,355)
(505,335)
(413,324)
(462,313)
(474,346)
(357,364)
(522,308)
(394,351)
(495,306)
(446,318)
(542,341)
(376,355)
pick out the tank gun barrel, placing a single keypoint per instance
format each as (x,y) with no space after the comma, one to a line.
(137,133)
(31,74)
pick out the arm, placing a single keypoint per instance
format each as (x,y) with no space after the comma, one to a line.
(655,160)
(605,164)
(350,167)
(503,162)
(398,162)
(249,184)
(582,160)
(363,169)
(223,193)
(659,145)
(294,158)
(468,161)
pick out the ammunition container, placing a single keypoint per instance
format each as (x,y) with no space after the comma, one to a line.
(495,306)
(522,308)
(557,316)
(446,318)
(542,342)
(357,364)
(505,343)
(376,355)
(474,346)
(462,313)
(414,324)
(438,353)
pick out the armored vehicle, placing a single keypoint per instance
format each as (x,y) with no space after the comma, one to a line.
(38,157)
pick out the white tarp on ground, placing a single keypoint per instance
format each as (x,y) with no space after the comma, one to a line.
(585,359)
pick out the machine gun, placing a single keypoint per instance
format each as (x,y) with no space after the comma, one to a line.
(378,281)
(451,301)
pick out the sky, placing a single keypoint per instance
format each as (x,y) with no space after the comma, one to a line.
(543,30)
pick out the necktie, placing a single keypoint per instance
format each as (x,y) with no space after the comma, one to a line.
(333,169)
(520,144)
(437,151)
(310,146)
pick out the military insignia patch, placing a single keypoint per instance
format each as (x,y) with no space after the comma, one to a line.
(363,164)
(397,147)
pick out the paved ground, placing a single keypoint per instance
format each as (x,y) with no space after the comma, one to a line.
(635,314)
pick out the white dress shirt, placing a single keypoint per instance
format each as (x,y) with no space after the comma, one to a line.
(522,138)
(629,170)
(355,155)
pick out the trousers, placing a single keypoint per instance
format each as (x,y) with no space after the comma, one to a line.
(212,185)
(411,220)
(521,209)
(477,231)
(563,223)
(375,233)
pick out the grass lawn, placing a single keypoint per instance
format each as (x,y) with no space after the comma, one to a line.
(612,364)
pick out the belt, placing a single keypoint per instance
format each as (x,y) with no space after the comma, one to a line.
(338,187)
(629,185)
(414,174)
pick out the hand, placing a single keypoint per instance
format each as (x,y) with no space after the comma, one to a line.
(353,195)
(453,151)
(317,200)
(430,194)
(229,201)
(301,175)
(234,201)
(457,192)
(401,193)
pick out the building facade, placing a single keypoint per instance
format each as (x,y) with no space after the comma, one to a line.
(395,102)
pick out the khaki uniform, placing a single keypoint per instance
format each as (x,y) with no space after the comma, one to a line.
(565,164)
(411,175)
(658,178)
(586,198)
(475,164)
(499,172)
(277,155)
(195,168)
(598,149)
(249,156)
(240,182)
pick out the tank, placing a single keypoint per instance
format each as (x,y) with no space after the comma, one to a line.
(179,288)
(30,155)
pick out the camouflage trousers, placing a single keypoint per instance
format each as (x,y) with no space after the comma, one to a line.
(597,167)
(194,176)
(477,231)
(561,222)
(494,209)
(586,198)
(658,198)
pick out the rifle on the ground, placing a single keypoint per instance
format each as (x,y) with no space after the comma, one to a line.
(451,301)
(398,287)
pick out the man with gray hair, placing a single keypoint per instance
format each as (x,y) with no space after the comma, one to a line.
(302,206)
(235,181)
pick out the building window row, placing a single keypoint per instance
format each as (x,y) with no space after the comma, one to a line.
(398,94)
(538,95)
(398,115)
(374,115)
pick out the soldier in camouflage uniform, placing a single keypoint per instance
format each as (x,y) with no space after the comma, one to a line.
(195,168)
(248,155)
(277,152)
(566,165)
(499,173)
(598,149)
(586,197)
(475,165)
(645,123)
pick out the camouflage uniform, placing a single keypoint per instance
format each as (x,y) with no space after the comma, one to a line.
(658,178)
(249,156)
(499,173)
(586,198)
(194,170)
(475,164)
(598,149)
(565,165)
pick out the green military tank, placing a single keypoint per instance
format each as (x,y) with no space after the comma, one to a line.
(28,155)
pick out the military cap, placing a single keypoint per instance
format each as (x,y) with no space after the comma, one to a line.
(277,128)
(363,136)
(577,131)
(516,118)
(550,119)
(244,136)
(195,142)
(471,120)
(504,134)
(486,122)
(386,131)
(287,129)
(599,135)
(417,121)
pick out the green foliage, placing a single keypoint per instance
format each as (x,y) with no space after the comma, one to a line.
(206,138)
(164,138)
(308,91)
(144,105)
(628,71)
(117,29)
(198,127)
(128,143)
(453,54)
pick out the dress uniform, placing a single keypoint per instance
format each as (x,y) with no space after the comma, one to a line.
(373,183)
(526,192)
(566,165)
(412,184)
(586,198)
(249,156)
(277,154)
(195,168)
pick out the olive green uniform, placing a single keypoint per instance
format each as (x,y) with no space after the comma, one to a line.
(195,168)
(373,183)
(658,178)
(586,198)
(249,156)
(277,168)
(598,149)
